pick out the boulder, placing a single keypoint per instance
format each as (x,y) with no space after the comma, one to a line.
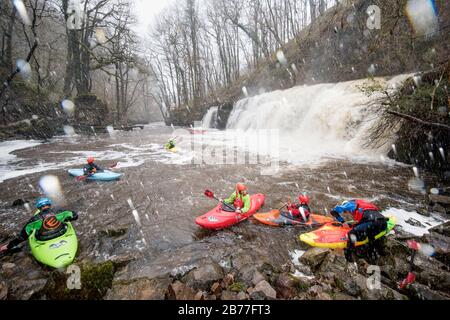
(247,273)
(334,262)
(204,276)
(435,198)
(422,292)
(3,290)
(286,285)
(242,296)
(140,289)
(257,277)
(266,289)
(228,295)
(227,280)
(216,288)
(200,295)
(314,257)
(180,291)
(24,289)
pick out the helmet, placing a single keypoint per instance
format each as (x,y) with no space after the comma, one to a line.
(90,160)
(240,187)
(303,198)
(42,202)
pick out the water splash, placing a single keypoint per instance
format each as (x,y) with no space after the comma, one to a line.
(441,151)
(20,7)
(24,68)
(68,107)
(244,90)
(282,58)
(51,186)
(423,16)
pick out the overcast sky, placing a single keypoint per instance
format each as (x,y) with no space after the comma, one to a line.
(146,10)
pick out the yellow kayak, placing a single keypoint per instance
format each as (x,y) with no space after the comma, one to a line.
(335,236)
(172,149)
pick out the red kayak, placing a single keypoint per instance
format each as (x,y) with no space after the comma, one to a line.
(276,218)
(218,219)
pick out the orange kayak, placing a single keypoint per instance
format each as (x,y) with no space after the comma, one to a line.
(277,219)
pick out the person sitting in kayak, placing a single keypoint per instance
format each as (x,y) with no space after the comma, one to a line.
(47,224)
(170,145)
(90,168)
(368,223)
(300,210)
(239,200)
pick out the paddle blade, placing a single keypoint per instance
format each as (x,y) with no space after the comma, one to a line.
(81,178)
(408,280)
(414,245)
(209,194)
(114,165)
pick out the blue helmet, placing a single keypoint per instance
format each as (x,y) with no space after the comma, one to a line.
(43,202)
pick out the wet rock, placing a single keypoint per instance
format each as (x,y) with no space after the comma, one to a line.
(18,202)
(315,290)
(439,208)
(435,198)
(314,257)
(24,289)
(216,288)
(414,223)
(443,229)
(114,232)
(323,296)
(227,280)
(438,280)
(204,276)
(141,289)
(372,291)
(423,212)
(247,273)
(257,295)
(180,291)
(422,292)
(200,296)
(334,262)
(8,269)
(286,285)
(228,295)
(258,277)
(3,290)
(242,296)
(266,289)
(342,296)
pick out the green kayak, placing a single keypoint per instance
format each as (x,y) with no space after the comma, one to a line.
(58,252)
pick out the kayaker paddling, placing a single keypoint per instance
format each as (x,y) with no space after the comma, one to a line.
(239,200)
(46,223)
(91,168)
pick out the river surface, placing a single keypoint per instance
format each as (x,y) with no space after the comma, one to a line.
(152,208)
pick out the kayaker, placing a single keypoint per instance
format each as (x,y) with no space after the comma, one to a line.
(294,211)
(239,200)
(368,222)
(90,168)
(46,222)
(170,145)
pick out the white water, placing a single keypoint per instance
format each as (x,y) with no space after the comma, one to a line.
(210,118)
(313,121)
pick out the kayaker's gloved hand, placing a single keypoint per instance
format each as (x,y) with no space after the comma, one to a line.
(238,210)
(220,200)
(74,215)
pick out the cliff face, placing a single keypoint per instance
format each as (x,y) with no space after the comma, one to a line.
(337,47)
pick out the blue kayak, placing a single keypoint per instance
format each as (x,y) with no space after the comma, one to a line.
(105,175)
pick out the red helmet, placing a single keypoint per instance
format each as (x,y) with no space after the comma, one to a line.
(303,198)
(240,187)
(90,160)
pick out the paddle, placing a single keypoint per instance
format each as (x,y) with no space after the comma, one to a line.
(9,251)
(83,177)
(211,195)
(411,277)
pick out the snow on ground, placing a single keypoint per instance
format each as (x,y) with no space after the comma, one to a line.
(403,216)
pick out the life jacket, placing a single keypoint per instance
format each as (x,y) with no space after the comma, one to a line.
(294,209)
(238,202)
(51,227)
(362,207)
